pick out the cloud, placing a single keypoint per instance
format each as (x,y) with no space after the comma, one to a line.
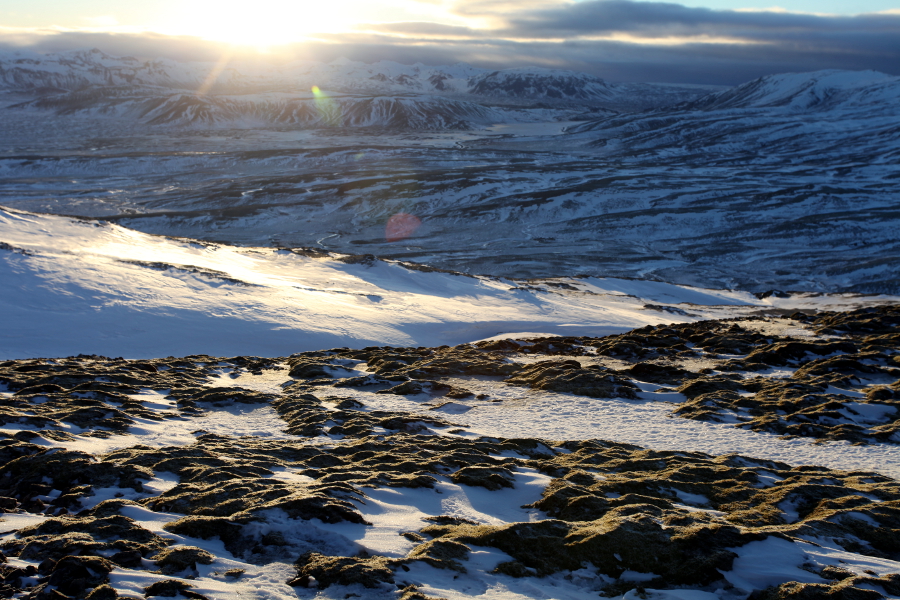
(617,37)
(619,40)
(140,44)
(661,19)
(420,29)
(500,8)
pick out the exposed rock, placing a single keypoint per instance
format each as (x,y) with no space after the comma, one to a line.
(206,527)
(460,360)
(785,353)
(442,554)
(65,470)
(569,376)
(851,588)
(227,395)
(709,384)
(102,394)
(63,536)
(492,478)
(102,592)
(412,592)
(617,507)
(413,387)
(241,498)
(169,588)
(73,575)
(371,572)
(657,373)
(313,368)
(637,537)
(175,559)
(307,416)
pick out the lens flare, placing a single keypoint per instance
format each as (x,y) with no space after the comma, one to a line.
(401,226)
(330,113)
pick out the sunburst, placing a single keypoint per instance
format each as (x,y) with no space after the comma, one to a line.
(262,23)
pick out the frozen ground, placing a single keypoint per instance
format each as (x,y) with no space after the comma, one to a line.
(394,511)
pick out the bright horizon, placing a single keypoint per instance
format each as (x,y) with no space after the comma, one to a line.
(695,41)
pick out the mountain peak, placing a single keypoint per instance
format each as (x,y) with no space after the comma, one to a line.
(814,90)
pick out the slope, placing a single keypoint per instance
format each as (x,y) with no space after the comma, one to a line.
(73,287)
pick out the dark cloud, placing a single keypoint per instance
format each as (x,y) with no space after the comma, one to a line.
(755,43)
(718,64)
(656,19)
(857,42)
(758,43)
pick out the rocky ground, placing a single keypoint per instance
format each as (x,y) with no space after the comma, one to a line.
(633,518)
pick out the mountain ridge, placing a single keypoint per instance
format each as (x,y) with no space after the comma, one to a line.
(74,70)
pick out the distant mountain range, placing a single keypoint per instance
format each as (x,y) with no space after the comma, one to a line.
(180,108)
(805,92)
(383,94)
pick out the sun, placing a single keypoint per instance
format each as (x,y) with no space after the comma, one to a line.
(261,23)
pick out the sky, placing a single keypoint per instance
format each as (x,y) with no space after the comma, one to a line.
(720,42)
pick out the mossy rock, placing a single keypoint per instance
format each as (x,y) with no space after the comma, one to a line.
(492,478)
(370,572)
(66,469)
(315,368)
(167,588)
(626,538)
(222,395)
(103,592)
(657,373)
(74,575)
(442,554)
(569,376)
(61,536)
(207,527)
(176,559)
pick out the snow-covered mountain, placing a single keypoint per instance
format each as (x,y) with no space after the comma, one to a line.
(78,71)
(749,195)
(806,92)
(158,106)
(73,70)
(541,83)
